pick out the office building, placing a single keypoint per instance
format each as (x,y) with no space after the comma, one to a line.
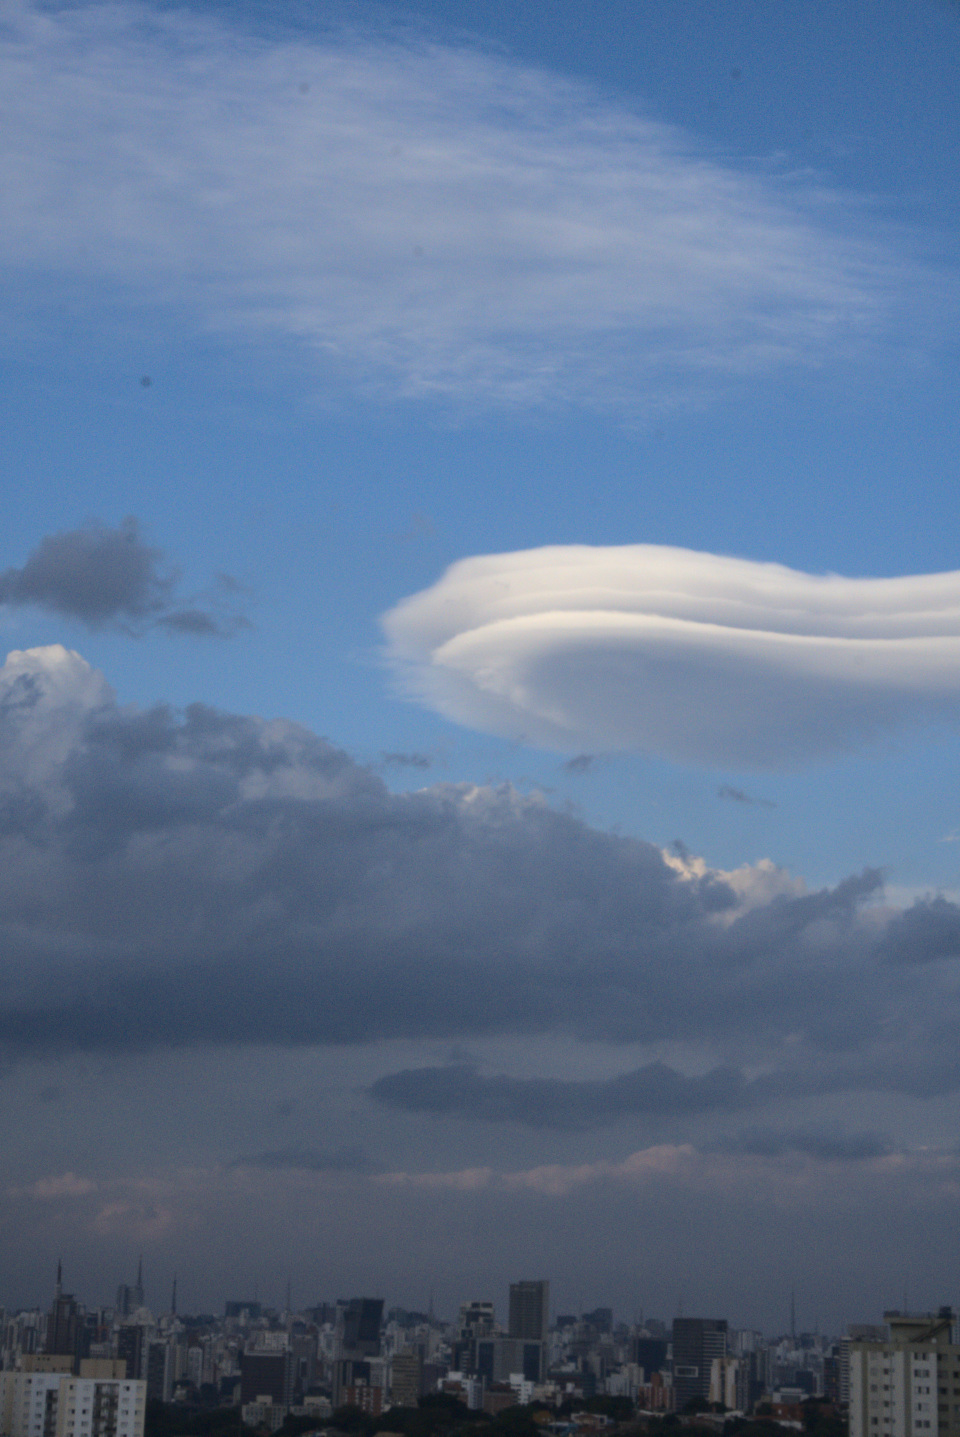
(697,1342)
(267,1375)
(361,1327)
(529,1310)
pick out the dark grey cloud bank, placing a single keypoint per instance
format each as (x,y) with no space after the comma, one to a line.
(107,577)
(458,1090)
(171,879)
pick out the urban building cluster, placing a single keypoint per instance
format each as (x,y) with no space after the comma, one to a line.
(73,1371)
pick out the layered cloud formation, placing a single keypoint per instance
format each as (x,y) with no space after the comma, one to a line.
(430,219)
(212,879)
(697,657)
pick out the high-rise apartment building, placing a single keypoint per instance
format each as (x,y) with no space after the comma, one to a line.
(51,1404)
(697,1342)
(909,1384)
(406,1372)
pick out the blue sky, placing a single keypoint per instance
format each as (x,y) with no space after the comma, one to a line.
(419,284)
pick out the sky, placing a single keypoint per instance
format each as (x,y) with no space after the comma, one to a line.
(480,725)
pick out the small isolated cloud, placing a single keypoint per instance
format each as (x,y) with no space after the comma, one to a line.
(406,760)
(106,577)
(696,657)
(739,795)
(580,763)
(457,1090)
(431,220)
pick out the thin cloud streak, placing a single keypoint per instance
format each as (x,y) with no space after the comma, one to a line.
(433,221)
(696,657)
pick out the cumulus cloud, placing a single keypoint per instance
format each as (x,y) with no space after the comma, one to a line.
(109,577)
(458,1090)
(431,219)
(928,930)
(207,878)
(697,657)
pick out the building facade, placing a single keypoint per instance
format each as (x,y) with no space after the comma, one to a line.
(908,1385)
(50,1404)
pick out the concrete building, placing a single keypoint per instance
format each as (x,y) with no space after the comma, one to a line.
(406,1370)
(500,1358)
(909,1384)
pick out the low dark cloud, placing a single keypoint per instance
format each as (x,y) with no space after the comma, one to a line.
(580,763)
(205,878)
(929,930)
(106,577)
(458,1090)
(824,1145)
(739,795)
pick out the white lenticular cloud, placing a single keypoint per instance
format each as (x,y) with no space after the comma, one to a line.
(696,657)
(431,220)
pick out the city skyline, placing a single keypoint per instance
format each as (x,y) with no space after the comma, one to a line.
(481,606)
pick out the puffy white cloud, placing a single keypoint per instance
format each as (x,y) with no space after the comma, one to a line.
(432,219)
(697,657)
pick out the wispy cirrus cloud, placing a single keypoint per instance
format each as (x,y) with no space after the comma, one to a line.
(431,219)
(697,657)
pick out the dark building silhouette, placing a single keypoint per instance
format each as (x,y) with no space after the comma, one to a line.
(131,1347)
(529,1310)
(696,1342)
(601,1319)
(130,1299)
(361,1326)
(267,1374)
(650,1353)
(65,1323)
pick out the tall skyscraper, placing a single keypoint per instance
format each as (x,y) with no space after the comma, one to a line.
(64,1323)
(697,1341)
(529,1310)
